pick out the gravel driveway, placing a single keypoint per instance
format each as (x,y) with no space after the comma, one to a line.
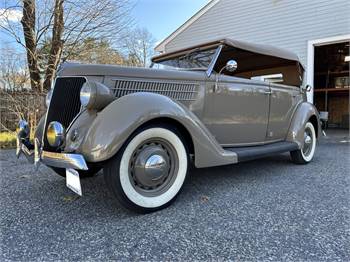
(267,209)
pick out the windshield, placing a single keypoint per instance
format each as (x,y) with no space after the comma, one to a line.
(195,60)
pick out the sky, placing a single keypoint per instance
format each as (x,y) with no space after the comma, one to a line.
(160,17)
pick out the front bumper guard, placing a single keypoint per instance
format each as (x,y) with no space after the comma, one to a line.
(36,155)
(64,160)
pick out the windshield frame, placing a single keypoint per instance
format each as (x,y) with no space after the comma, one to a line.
(210,67)
(213,61)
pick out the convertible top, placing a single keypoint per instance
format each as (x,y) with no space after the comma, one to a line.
(252,59)
(254,48)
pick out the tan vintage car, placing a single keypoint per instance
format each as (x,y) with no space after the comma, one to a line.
(213,104)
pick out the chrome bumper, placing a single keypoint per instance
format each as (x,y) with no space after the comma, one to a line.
(64,160)
(60,160)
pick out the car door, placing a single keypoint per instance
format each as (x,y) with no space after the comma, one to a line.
(283,102)
(236,110)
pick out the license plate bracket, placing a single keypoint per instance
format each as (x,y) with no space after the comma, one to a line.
(73,181)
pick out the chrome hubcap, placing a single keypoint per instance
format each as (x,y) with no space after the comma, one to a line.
(153,167)
(150,166)
(307,142)
(156,167)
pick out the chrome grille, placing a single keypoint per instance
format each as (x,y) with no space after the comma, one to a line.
(175,90)
(65,103)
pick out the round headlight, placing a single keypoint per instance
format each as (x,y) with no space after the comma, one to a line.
(95,95)
(85,95)
(55,134)
(48,98)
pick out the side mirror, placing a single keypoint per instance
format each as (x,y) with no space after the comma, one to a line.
(231,66)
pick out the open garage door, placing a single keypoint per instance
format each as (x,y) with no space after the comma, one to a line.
(331,82)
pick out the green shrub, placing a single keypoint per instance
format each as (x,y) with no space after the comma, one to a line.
(7,140)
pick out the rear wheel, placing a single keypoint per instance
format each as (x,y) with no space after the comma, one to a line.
(149,170)
(306,153)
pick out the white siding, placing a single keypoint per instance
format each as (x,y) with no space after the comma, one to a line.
(287,24)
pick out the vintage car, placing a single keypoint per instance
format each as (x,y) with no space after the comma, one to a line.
(213,104)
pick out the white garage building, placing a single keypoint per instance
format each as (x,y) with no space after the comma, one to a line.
(318,31)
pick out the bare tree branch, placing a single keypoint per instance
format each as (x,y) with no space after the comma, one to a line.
(56,45)
(139,45)
(52,29)
(28,23)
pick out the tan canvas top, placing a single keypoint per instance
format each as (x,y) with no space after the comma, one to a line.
(255,48)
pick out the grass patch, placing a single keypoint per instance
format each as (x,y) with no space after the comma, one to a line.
(7,140)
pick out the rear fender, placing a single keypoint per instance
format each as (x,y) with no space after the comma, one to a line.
(115,123)
(301,116)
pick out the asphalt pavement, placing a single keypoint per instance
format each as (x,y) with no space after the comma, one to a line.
(263,210)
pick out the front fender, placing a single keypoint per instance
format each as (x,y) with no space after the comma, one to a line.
(115,123)
(301,116)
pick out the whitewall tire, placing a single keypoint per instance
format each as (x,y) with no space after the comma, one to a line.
(307,152)
(149,171)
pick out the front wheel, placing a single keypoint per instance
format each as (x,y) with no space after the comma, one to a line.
(306,153)
(149,170)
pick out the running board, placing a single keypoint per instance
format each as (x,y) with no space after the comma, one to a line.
(255,152)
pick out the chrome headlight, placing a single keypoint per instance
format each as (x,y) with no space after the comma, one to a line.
(55,134)
(48,98)
(94,95)
(85,95)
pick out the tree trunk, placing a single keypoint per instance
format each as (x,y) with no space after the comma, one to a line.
(28,24)
(56,44)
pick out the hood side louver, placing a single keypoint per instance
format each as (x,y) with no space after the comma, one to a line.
(180,91)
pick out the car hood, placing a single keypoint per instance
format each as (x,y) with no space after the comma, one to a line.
(73,69)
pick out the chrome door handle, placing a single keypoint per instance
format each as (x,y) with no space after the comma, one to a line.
(267,92)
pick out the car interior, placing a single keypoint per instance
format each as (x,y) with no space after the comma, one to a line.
(252,65)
